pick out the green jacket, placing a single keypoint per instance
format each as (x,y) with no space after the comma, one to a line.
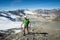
(26,22)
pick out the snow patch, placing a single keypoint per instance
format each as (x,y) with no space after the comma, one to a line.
(28,12)
(9,25)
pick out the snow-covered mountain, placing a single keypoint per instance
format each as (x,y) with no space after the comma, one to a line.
(28,12)
(16,15)
(11,15)
(10,20)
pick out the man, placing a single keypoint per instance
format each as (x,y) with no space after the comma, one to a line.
(26,23)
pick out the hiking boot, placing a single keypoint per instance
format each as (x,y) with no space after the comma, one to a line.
(24,34)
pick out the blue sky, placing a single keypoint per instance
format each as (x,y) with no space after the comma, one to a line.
(30,4)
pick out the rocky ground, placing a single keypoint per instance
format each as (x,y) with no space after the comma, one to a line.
(36,34)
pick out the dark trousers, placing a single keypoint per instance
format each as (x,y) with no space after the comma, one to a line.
(26,27)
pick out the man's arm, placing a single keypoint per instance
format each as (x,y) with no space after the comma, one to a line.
(21,24)
(29,24)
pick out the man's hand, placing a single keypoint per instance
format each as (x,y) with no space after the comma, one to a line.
(29,25)
(21,25)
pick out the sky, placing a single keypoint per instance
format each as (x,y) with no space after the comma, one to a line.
(29,4)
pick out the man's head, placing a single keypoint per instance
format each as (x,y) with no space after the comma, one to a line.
(25,17)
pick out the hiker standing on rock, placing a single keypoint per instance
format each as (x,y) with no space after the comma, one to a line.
(26,23)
